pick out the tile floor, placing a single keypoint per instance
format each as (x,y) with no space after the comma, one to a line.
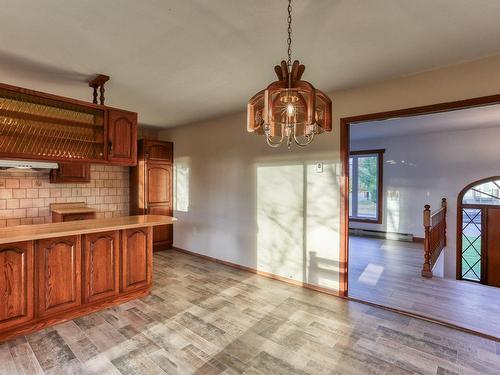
(206,318)
(387,273)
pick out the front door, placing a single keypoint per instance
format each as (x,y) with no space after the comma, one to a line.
(493,247)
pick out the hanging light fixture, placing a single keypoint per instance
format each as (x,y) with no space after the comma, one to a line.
(289,109)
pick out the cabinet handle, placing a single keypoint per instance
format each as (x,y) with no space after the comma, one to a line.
(110,148)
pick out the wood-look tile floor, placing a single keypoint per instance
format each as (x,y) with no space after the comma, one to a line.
(387,273)
(207,318)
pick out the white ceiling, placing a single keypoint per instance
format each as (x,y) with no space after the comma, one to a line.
(463,119)
(180,61)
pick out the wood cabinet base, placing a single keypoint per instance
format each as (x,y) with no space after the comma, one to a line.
(39,324)
(52,280)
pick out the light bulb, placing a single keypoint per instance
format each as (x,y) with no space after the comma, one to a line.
(290,109)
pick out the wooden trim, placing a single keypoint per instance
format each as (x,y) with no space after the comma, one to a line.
(426,109)
(344,209)
(418,239)
(367,152)
(45,95)
(367,221)
(344,157)
(260,273)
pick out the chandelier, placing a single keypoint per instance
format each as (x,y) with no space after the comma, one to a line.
(289,109)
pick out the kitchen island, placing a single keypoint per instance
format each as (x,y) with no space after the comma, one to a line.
(50,273)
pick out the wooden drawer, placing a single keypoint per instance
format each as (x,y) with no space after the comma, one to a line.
(57,218)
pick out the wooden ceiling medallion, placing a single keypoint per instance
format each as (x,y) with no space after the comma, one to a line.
(289,109)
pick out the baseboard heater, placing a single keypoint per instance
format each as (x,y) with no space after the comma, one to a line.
(408,237)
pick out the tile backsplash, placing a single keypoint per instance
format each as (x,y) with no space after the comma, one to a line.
(25,196)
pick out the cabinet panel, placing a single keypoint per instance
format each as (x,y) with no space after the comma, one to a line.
(16,284)
(158,151)
(137,259)
(158,183)
(70,173)
(101,265)
(122,137)
(59,274)
(162,234)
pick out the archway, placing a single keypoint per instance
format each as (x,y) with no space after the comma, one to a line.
(478,232)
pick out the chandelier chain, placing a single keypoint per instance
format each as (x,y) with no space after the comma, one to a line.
(289,40)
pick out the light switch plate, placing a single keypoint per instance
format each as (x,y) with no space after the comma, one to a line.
(319,167)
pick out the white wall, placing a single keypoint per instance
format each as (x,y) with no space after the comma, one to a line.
(232,214)
(423,168)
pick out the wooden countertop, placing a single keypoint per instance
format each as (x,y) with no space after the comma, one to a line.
(41,231)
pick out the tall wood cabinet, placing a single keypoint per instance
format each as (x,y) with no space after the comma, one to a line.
(151,187)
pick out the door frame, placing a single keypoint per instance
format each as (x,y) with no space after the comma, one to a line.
(484,232)
(345,124)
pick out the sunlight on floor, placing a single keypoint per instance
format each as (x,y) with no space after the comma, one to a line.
(371,274)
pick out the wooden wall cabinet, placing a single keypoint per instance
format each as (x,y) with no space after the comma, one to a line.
(41,126)
(70,173)
(16,284)
(151,187)
(101,264)
(122,137)
(59,274)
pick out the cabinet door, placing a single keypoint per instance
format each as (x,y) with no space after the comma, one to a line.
(137,259)
(158,150)
(162,234)
(122,137)
(101,265)
(16,284)
(158,183)
(70,173)
(59,274)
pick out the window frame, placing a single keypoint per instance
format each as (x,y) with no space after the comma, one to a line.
(379,153)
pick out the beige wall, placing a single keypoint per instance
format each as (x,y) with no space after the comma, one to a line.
(269,208)
(25,197)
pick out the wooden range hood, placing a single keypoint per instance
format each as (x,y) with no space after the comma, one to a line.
(41,126)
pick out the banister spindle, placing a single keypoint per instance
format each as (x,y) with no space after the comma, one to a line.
(444,204)
(98,83)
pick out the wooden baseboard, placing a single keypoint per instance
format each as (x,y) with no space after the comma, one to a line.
(42,323)
(418,239)
(261,273)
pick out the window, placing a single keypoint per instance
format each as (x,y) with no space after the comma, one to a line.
(365,186)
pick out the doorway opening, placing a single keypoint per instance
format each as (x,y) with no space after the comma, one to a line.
(390,271)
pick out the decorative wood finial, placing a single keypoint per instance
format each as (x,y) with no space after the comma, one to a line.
(98,83)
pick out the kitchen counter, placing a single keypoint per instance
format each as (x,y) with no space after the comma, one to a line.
(43,231)
(59,271)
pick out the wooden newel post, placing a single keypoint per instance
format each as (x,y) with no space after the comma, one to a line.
(426,269)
